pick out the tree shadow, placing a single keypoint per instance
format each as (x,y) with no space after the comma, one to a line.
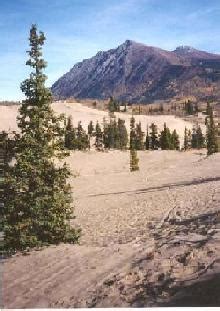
(161,188)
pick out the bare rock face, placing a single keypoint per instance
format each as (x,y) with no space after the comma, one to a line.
(135,72)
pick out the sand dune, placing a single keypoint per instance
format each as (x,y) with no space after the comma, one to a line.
(85,114)
(113,207)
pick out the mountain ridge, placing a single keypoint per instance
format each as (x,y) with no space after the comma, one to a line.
(136,72)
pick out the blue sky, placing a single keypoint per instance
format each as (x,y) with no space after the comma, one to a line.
(78,29)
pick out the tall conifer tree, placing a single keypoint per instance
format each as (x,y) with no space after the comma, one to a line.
(165,138)
(187,138)
(38,197)
(133,152)
(211,133)
(123,134)
(91,129)
(133,137)
(154,142)
(139,137)
(175,142)
(98,137)
(70,135)
(147,140)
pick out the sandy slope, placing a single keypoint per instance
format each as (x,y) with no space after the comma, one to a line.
(83,113)
(113,208)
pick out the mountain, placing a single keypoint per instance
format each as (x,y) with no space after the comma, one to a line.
(135,72)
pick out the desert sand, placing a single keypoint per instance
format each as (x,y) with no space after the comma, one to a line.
(85,114)
(117,211)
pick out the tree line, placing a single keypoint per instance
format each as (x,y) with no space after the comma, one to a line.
(113,134)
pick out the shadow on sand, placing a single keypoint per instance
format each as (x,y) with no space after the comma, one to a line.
(161,188)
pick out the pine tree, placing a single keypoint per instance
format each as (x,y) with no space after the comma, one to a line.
(200,138)
(82,138)
(194,140)
(110,134)
(189,107)
(211,134)
(147,140)
(165,138)
(38,197)
(139,137)
(91,129)
(5,158)
(175,142)
(123,134)
(133,152)
(187,139)
(116,141)
(98,137)
(105,134)
(154,142)
(133,137)
(70,141)
(113,105)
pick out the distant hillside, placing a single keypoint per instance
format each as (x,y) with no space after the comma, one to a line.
(135,72)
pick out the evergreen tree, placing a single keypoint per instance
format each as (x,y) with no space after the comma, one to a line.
(70,135)
(133,152)
(91,129)
(38,197)
(154,142)
(82,138)
(165,138)
(98,137)
(123,134)
(194,141)
(139,137)
(189,107)
(175,142)
(116,141)
(110,135)
(147,140)
(211,134)
(113,105)
(187,139)
(200,138)
(105,134)
(133,136)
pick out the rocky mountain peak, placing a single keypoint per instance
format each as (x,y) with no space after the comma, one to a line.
(184,49)
(135,72)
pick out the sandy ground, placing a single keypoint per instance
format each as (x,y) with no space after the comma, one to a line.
(114,208)
(85,114)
